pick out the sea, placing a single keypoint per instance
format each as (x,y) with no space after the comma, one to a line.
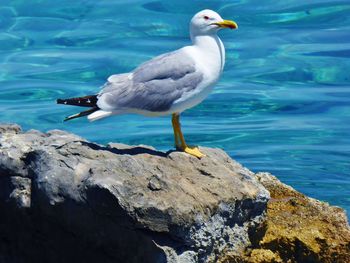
(282,104)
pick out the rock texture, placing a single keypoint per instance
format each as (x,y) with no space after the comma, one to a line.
(63,199)
(297,229)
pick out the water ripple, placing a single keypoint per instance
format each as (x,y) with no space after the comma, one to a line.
(282,105)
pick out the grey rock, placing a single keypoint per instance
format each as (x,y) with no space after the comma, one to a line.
(155,183)
(120,203)
(10,128)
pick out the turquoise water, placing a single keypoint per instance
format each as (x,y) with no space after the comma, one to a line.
(282,104)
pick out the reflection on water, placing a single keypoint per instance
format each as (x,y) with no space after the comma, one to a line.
(282,105)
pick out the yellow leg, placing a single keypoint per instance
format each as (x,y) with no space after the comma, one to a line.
(180,140)
(176,136)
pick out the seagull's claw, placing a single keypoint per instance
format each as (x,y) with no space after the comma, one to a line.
(193,151)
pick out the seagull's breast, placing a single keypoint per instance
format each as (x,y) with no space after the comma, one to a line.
(209,56)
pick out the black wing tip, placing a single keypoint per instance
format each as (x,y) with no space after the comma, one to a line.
(80,114)
(86,101)
(70,117)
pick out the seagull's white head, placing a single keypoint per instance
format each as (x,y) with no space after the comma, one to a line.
(208,22)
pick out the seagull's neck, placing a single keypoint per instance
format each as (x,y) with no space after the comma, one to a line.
(211,49)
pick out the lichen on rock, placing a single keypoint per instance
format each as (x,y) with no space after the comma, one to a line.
(297,229)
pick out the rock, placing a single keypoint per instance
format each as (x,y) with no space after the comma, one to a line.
(64,199)
(155,183)
(297,229)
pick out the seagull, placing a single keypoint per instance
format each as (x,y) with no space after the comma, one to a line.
(167,84)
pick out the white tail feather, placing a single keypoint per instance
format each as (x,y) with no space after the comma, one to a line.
(100,114)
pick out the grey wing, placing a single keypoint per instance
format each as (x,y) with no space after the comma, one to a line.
(154,85)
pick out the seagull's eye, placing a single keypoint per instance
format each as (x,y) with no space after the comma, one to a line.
(206,17)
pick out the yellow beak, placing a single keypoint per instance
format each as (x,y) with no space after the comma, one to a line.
(227,24)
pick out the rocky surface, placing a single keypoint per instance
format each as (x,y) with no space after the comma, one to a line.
(63,199)
(297,229)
